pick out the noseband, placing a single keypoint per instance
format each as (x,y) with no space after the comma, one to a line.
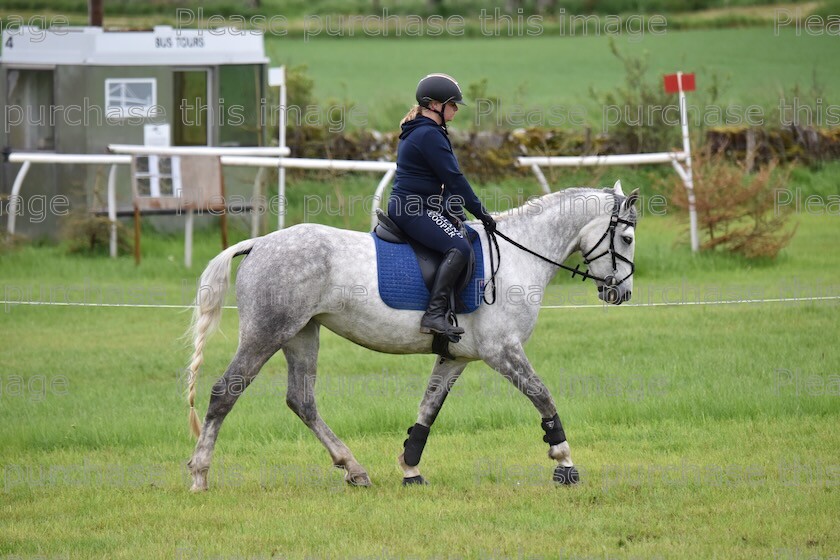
(610,281)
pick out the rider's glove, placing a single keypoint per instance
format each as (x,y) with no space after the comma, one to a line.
(489,223)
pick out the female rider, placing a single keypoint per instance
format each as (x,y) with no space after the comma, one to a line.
(430,192)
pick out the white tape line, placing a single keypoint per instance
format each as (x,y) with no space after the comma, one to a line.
(587,306)
(680,303)
(128,305)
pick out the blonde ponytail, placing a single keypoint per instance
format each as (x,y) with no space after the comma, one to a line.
(411,115)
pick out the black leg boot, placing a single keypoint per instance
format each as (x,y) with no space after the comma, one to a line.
(434,321)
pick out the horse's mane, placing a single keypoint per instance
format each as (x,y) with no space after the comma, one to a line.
(549,198)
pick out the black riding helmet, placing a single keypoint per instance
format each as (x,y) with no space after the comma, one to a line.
(438,87)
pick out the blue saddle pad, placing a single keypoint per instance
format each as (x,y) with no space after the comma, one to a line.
(401,283)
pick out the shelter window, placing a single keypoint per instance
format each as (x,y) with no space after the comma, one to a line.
(158,176)
(241,98)
(131,97)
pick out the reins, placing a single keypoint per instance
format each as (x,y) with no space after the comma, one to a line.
(609,280)
(576,271)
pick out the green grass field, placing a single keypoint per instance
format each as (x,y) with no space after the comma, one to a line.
(553,73)
(700,431)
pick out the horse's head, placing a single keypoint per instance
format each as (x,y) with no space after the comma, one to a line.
(608,245)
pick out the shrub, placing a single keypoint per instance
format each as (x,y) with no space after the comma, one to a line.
(9,242)
(736,210)
(87,234)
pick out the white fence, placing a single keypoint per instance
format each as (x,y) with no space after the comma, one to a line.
(388,167)
(247,157)
(28,158)
(674,158)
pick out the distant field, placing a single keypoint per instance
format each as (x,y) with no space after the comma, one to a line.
(754,65)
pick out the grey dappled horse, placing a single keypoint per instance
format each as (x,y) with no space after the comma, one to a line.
(288,288)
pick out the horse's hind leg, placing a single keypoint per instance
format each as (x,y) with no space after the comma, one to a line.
(244,367)
(302,359)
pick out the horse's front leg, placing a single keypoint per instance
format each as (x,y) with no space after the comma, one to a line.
(513,364)
(444,375)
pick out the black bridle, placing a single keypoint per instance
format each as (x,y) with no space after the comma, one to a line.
(610,282)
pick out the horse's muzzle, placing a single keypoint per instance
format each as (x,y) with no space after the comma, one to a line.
(611,291)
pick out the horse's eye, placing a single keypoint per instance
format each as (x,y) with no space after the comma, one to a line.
(627,239)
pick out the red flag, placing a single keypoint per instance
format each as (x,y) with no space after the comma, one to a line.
(673,86)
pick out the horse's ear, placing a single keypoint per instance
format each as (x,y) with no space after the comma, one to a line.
(632,199)
(617,188)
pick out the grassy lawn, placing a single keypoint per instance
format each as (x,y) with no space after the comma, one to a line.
(689,425)
(701,431)
(705,431)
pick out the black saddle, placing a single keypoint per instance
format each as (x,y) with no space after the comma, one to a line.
(428,259)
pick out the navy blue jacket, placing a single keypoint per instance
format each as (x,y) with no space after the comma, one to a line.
(425,161)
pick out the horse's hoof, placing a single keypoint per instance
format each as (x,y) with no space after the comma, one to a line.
(199,481)
(414,481)
(566,475)
(360,479)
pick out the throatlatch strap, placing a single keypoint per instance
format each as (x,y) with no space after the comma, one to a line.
(417,435)
(554,434)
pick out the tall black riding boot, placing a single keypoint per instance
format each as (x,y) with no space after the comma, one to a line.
(434,321)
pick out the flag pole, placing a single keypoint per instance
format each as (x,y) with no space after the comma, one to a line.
(688,180)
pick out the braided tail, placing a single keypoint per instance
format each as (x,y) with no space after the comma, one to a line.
(207,314)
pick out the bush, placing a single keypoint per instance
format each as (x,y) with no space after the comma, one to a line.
(9,242)
(91,235)
(736,210)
